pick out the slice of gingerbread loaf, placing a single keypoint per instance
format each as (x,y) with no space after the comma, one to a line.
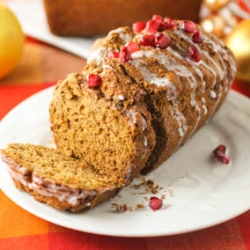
(60,181)
(107,125)
(144,92)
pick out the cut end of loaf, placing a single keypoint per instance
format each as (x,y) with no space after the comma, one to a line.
(110,127)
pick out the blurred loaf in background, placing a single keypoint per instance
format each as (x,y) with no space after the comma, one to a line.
(97,17)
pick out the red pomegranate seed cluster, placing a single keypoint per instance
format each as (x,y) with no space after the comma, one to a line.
(93,80)
(189,27)
(125,54)
(220,154)
(154,37)
(155,203)
(161,41)
(157,23)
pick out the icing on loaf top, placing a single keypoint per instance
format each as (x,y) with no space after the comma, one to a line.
(163,49)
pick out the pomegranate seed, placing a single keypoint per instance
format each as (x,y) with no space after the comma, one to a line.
(157,18)
(138,26)
(197,37)
(167,24)
(222,148)
(113,54)
(220,154)
(152,26)
(148,40)
(124,55)
(188,26)
(132,47)
(155,203)
(93,80)
(194,54)
(162,41)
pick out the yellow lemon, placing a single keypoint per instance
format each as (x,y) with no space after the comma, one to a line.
(11,41)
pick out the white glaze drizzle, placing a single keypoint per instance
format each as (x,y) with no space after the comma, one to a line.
(183,72)
(145,144)
(203,100)
(220,51)
(198,71)
(213,94)
(120,97)
(106,66)
(48,188)
(217,101)
(171,64)
(98,55)
(150,77)
(181,121)
(134,116)
(123,34)
(217,48)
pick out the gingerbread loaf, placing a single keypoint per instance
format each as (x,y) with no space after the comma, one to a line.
(90,18)
(144,92)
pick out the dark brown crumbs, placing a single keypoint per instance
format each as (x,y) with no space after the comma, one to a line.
(154,190)
(143,188)
(140,205)
(120,208)
(149,184)
(137,186)
(143,182)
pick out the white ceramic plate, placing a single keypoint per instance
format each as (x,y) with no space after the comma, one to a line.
(31,15)
(199,192)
